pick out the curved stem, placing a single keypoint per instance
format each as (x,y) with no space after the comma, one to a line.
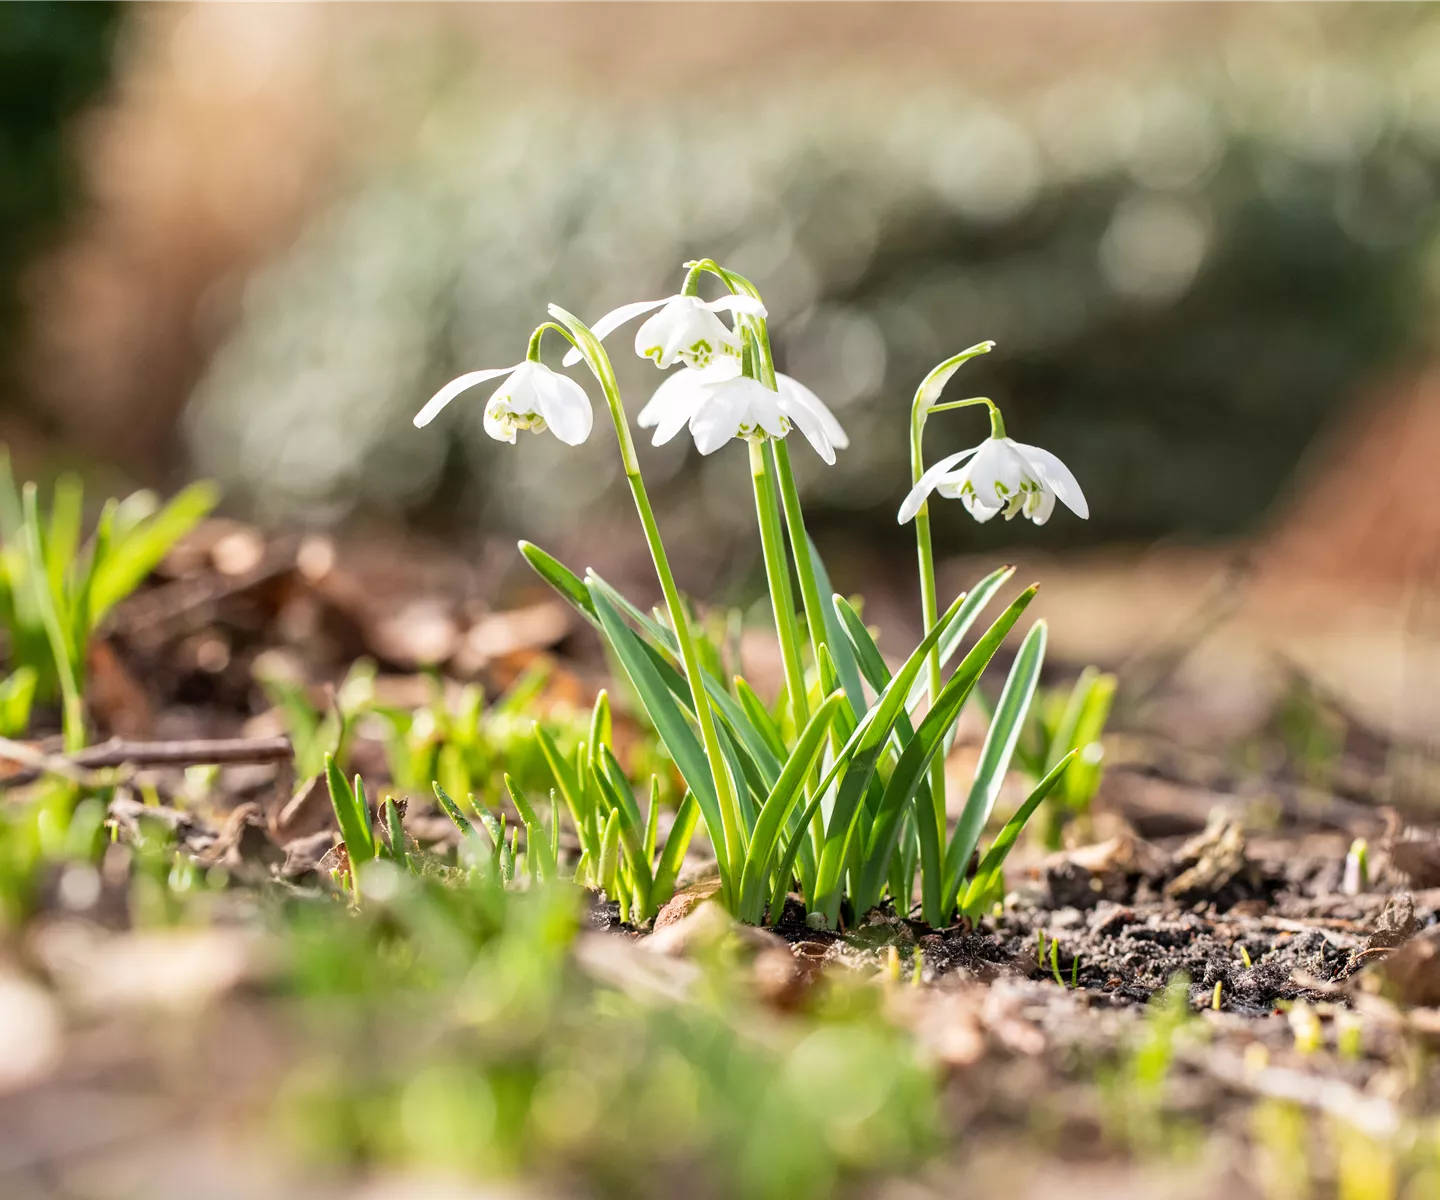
(532,353)
(777,574)
(800,546)
(924,403)
(729,837)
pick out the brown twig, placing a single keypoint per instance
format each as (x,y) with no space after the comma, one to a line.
(121,753)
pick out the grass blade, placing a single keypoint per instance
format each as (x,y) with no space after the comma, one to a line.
(139,552)
(352,817)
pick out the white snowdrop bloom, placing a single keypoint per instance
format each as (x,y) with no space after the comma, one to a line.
(797,400)
(719,403)
(686,329)
(1002,475)
(532,397)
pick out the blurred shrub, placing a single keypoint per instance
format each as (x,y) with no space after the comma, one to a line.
(1185,274)
(53,59)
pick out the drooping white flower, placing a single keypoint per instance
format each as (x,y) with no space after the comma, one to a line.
(719,403)
(1002,475)
(797,401)
(686,329)
(532,397)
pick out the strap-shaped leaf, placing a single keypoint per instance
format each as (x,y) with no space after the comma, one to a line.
(632,838)
(17,695)
(867,655)
(652,819)
(610,767)
(975,601)
(571,789)
(760,718)
(602,732)
(139,552)
(351,813)
(395,830)
(537,841)
(775,812)
(570,586)
(921,749)
(62,538)
(845,665)
(676,844)
(609,866)
(859,756)
(667,717)
(730,711)
(991,865)
(995,758)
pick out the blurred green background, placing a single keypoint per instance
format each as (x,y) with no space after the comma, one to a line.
(1200,235)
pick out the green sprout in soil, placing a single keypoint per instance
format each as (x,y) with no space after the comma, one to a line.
(55,591)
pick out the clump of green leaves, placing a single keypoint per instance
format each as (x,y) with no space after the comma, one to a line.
(364,843)
(842,804)
(618,845)
(469,743)
(56,587)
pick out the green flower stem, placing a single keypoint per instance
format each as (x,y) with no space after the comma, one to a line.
(777,574)
(599,363)
(920,411)
(532,352)
(800,546)
(789,493)
(779,453)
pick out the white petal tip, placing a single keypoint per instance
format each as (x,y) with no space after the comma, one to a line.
(572,357)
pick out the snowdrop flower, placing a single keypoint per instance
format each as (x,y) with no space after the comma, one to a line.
(1002,475)
(685,329)
(532,397)
(719,403)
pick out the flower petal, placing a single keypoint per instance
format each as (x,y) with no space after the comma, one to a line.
(998,471)
(834,431)
(763,406)
(750,306)
(1043,507)
(612,321)
(927,482)
(452,389)
(564,405)
(673,404)
(1056,475)
(719,418)
(809,423)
